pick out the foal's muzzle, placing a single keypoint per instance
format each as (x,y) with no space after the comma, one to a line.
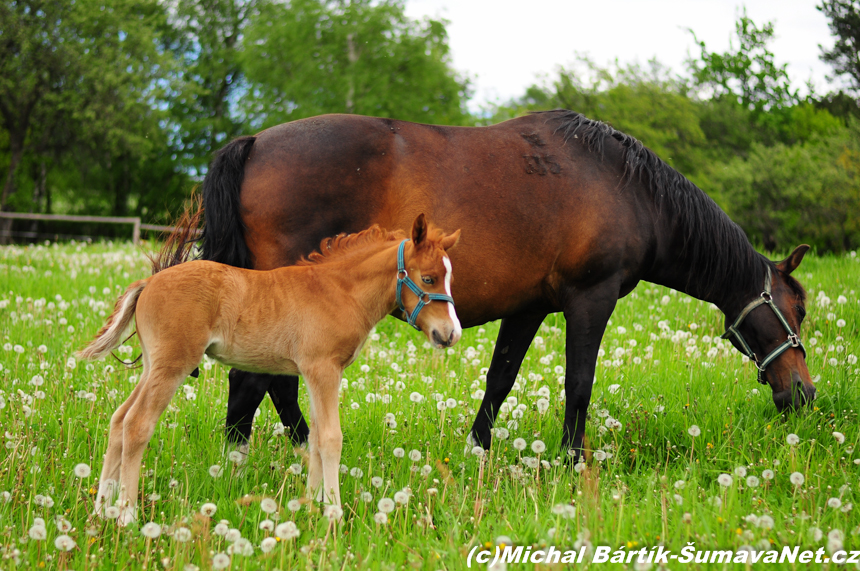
(442,340)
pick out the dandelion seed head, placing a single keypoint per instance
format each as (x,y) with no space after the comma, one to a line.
(385,505)
(64,543)
(268,505)
(151,530)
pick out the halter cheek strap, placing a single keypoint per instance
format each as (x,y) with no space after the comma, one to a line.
(793,339)
(424,297)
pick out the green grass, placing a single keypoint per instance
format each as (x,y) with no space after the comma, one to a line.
(53,300)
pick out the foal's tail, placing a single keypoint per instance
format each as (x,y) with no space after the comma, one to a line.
(178,247)
(111,334)
(224,233)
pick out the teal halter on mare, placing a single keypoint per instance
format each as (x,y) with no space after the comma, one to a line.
(423,297)
(793,339)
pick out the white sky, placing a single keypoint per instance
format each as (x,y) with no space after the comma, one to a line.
(505,45)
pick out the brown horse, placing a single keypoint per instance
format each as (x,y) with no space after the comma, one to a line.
(311,319)
(561,213)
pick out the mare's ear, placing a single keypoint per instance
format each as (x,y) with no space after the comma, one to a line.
(793,260)
(450,240)
(419,230)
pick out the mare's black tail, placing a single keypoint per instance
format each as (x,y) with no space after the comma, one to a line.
(223,231)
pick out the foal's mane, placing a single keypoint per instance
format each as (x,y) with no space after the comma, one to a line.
(337,246)
(720,255)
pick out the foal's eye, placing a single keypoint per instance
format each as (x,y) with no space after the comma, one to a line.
(428,280)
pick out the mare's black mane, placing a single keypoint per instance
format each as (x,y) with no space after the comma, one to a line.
(719,254)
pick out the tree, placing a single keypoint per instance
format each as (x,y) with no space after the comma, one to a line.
(309,57)
(207,39)
(78,75)
(646,102)
(844,16)
(810,192)
(749,73)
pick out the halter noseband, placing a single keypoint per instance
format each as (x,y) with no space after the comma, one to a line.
(424,297)
(793,339)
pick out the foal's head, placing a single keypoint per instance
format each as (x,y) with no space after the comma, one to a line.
(427,264)
(771,332)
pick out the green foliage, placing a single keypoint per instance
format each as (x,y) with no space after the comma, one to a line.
(78,91)
(206,38)
(747,73)
(808,192)
(322,56)
(844,22)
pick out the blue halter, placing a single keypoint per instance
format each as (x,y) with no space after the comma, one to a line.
(423,297)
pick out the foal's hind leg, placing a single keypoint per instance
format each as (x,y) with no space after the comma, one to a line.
(109,480)
(139,426)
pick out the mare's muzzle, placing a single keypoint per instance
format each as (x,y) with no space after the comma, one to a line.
(792,341)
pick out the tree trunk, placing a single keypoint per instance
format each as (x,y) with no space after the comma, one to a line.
(9,188)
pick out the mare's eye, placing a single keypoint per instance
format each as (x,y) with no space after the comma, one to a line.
(428,280)
(800,311)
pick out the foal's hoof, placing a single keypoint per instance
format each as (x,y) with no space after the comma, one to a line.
(127,516)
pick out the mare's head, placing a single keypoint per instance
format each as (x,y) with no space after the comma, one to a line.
(769,333)
(427,264)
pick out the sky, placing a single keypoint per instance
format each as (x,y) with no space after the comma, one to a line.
(506,45)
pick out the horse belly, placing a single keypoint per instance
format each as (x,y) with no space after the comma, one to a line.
(254,358)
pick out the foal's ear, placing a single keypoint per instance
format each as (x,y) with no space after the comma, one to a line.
(450,240)
(419,230)
(793,260)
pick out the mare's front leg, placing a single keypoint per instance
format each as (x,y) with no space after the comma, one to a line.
(326,437)
(515,336)
(586,313)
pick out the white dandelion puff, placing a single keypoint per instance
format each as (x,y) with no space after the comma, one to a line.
(268,505)
(151,530)
(208,509)
(82,470)
(386,505)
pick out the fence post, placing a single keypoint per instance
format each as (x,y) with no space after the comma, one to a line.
(135,235)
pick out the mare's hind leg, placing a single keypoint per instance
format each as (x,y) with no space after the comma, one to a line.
(247,391)
(139,426)
(515,336)
(109,480)
(587,313)
(284,391)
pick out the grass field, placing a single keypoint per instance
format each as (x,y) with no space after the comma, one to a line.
(406,410)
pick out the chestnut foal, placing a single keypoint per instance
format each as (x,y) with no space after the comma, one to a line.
(310,319)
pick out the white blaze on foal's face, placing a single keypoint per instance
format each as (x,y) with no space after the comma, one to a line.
(458,331)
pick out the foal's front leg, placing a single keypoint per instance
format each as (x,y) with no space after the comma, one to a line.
(326,437)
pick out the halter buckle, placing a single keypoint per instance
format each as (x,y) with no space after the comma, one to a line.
(794,339)
(402,274)
(765,295)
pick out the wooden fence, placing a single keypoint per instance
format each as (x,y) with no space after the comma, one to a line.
(133,220)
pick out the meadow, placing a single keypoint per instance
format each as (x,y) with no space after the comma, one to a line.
(685,445)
